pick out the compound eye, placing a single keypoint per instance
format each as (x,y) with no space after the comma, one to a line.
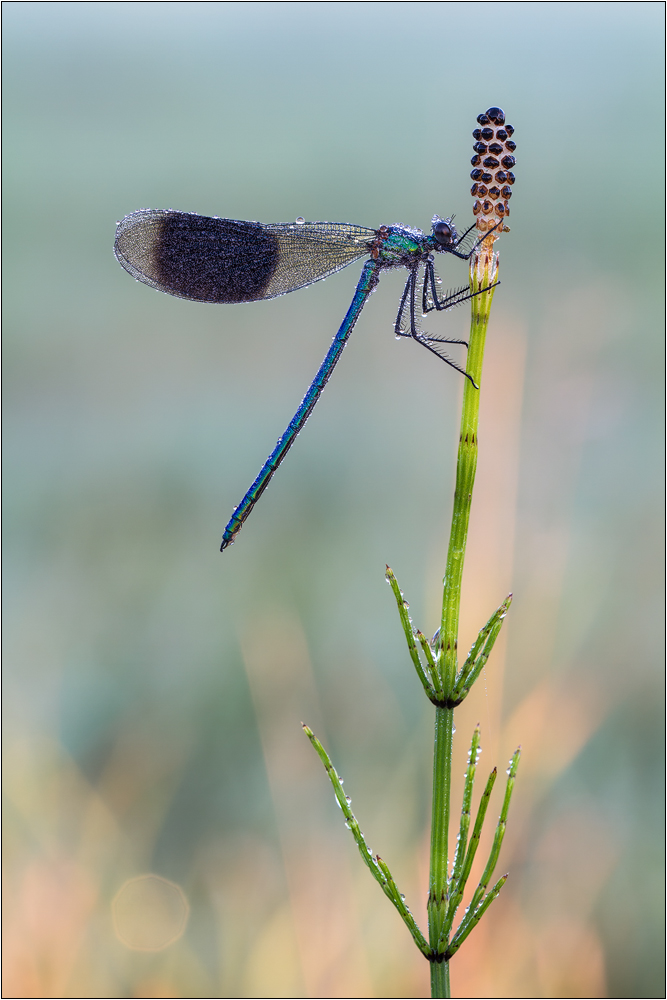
(443,232)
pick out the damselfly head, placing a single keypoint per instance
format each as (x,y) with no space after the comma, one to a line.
(444,232)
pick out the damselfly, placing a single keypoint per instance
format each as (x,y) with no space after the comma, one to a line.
(222,260)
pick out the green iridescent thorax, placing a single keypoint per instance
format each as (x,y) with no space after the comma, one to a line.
(401,243)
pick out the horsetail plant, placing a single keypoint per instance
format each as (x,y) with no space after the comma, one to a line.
(445,683)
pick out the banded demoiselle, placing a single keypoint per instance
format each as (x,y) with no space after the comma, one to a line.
(222,260)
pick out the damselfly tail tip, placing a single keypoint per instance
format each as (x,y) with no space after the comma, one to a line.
(232,529)
(492,174)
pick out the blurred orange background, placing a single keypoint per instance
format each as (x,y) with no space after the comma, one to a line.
(169,831)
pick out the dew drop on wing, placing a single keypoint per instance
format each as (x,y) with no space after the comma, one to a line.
(300,220)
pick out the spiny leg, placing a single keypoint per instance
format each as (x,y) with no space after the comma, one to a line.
(476,244)
(428,341)
(409,295)
(408,290)
(461,240)
(451,299)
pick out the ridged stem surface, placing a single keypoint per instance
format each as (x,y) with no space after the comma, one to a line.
(483,273)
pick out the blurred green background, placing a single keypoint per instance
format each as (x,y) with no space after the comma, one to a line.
(154,688)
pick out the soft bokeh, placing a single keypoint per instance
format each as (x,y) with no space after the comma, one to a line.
(154,688)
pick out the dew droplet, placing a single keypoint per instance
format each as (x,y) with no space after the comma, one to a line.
(300,220)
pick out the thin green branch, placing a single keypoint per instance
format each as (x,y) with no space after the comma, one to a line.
(465,808)
(474,664)
(423,673)
(433,669)
(376,865)
(480,903)
(460,935)
(458,888)
(498,836)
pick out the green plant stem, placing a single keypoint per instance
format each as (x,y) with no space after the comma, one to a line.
(466,468)
(482,274)
(440,979)
(442,776)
